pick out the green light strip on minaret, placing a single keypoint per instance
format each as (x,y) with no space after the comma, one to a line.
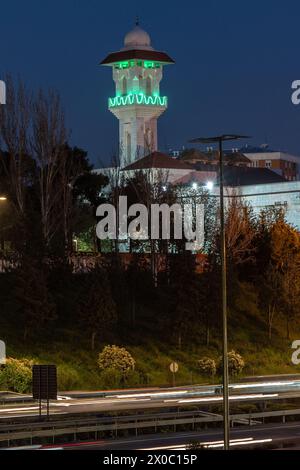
(148,64)
(137,98)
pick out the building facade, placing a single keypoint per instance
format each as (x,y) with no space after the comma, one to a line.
(282,163)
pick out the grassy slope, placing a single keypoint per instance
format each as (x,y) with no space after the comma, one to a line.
(77,365)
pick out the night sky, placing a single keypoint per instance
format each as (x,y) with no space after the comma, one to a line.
(235,62)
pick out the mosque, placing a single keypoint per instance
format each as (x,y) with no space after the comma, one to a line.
(260,176)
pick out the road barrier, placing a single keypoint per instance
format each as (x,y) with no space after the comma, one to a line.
(11,434)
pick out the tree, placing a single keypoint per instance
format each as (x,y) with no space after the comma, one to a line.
(186,297)
(46,144)
(269,286)
(16,375)
(240,232)
(235,363)
(14,140)
(97,308)
(117,358)
(290,295)
(285,256)
(207,366)
(34,302)
(88,194)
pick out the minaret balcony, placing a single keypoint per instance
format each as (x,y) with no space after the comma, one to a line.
(133,99)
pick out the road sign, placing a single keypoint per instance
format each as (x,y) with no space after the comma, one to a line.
(44,382)
(174,367)
(2,352)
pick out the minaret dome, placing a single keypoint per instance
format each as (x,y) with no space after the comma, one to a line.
(137,38)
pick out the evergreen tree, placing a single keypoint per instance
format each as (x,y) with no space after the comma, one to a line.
(34,302)
(97,308)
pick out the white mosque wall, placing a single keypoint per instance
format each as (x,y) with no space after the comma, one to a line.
(261,196)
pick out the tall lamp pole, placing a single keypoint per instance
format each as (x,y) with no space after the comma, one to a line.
(219,140)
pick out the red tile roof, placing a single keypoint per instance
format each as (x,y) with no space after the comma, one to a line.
(158,160)
(196,177)
(121,56)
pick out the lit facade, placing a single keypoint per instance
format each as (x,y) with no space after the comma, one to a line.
(137,104)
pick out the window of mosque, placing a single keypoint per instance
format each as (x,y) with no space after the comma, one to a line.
(148,64)
(124,86)
(148,86)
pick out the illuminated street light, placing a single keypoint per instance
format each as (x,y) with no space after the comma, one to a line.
(219,140)
(3,198)
(209,185)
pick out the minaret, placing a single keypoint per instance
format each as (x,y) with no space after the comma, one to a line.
(137,72)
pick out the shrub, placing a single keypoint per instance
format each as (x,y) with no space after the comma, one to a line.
(207,366)
(116,358)
(16,375)
(235,363)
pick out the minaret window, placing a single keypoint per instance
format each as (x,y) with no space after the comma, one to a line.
(148,86)
(124,86)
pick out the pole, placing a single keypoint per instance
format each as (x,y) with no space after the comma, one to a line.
(224,306)
(40,399)
(48,393)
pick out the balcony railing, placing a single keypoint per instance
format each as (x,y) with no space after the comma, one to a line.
(137,98)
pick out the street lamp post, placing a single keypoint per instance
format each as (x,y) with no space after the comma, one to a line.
(219,140)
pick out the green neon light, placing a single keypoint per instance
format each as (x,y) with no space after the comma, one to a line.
(137,98)
(123,65)
(148,64)
(126,64)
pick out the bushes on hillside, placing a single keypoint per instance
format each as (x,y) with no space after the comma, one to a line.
(16,375)
(235,363)
(207,366)
(116,365)
(116,358)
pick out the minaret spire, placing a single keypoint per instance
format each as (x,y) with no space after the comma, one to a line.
(137,20)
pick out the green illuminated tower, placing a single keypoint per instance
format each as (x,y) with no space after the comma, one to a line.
(137,72)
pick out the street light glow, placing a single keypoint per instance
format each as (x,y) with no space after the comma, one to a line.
(3,198)
(209,185)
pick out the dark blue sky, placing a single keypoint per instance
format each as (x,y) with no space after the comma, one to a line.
(235,61)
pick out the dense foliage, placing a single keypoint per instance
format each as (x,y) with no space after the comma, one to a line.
(16,375)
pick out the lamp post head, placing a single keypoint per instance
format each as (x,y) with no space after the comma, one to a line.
(218,138)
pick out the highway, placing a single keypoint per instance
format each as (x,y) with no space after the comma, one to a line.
(242,437)
(101,402)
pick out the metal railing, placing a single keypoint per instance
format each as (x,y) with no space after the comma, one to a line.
(52,429)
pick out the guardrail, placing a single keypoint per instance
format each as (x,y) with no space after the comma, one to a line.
(16,432)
